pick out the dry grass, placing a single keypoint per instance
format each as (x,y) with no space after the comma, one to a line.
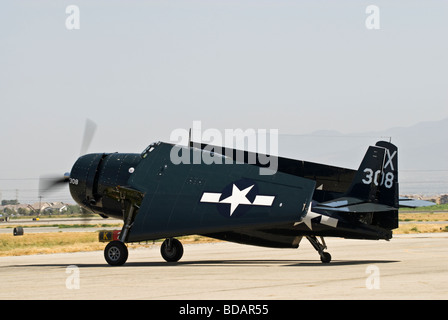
(426,226)
(421,228)
(60,242)
(41,243)
(424,216)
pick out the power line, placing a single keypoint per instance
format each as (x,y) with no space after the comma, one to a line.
(423,170)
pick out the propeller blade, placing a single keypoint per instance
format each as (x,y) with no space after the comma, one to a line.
(89,132)
(50,182)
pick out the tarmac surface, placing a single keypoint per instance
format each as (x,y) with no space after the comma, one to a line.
(407,267)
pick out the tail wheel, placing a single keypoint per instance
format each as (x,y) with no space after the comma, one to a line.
(116,253)
(172,250)
(325,257)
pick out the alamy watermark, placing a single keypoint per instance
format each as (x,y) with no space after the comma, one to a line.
(73,21)
(73,280)
(373,280)
(262,145)
(373,19)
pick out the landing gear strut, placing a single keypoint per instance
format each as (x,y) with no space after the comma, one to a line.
(116,252)
(325,257)
(172,250)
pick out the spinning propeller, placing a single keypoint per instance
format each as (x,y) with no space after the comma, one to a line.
(48,183)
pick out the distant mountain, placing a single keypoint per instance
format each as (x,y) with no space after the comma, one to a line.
(423,146)
(422,152)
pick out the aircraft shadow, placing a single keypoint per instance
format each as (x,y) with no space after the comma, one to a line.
(226,263)
(259,263)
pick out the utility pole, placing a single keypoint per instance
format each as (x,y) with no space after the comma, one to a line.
(40,205)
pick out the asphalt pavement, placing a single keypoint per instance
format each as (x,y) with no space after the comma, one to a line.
(407,267)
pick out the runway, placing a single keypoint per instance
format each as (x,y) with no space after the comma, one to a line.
(407,267)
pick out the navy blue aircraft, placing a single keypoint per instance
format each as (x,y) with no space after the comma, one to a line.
(158,199)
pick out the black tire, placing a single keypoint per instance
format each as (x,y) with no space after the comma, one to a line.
(18,231)
(325,257)
(116,253)
(174,253)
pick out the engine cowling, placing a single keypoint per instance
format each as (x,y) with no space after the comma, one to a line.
(93,174)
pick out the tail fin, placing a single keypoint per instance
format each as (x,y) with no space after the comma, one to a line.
(373,194)
(376,180)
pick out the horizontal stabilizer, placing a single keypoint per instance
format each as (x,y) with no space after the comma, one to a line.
(415,203)
(360,207)
(340,202)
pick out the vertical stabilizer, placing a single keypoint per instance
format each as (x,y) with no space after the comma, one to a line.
(376,180)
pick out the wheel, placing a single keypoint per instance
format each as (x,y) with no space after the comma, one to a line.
(172,253)
(325,257)
(116,253)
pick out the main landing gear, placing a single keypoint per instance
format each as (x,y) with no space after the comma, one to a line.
(116,252)
(172,250)
(325,257)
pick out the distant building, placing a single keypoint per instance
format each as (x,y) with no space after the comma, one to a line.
(35,208)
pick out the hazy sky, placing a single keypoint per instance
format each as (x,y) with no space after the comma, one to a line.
(141,69)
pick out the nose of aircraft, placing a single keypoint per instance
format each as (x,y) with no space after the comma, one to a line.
(82,178)
(93,174)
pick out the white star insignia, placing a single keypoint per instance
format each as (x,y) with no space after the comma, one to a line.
(237,197)
(310,215)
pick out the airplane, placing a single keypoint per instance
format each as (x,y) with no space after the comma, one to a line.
(157,199)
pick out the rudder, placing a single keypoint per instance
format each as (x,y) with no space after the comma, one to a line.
(389,193)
